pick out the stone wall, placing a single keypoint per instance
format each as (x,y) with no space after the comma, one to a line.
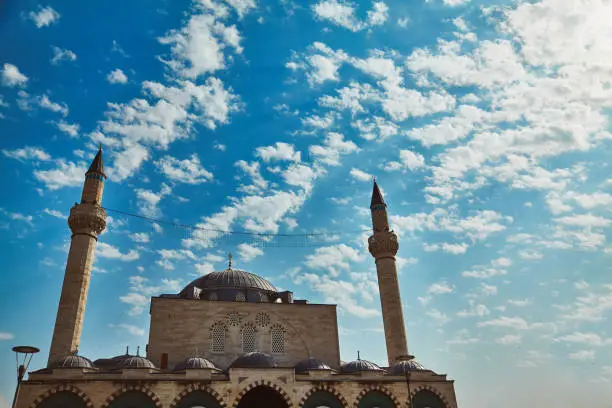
(97,390)
(180,327)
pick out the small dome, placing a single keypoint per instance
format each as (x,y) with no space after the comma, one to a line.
(359,365)
(403,367)
(136,362)
(310,364)
(194,363)
(72,361)
(254,360)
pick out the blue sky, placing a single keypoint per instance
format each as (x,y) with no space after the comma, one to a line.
(486,124)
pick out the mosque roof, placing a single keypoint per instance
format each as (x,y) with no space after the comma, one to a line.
(405,366)
(310,364)
(195,363)
(136,362)
(359,365)
(254,360)
(230,279)
(72,361)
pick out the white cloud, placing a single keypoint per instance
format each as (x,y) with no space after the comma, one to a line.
(188,171)
(27,153)
(105,250)
(6,336)
(440,288)
(455,249)
(334,258)
(454,3)
(342,13)
(55,213)
(509,339)
(248,252)
(17,216)
(280,151)
(11,76)
(117,76)
(66,174)
(360,175)
(584,220)
(140,237)
(133,330)
(141,291)
(45,16)
(582,355)
(590,339)
(147,200)
(71,130)
(60,55)
(438,317)
(332,149)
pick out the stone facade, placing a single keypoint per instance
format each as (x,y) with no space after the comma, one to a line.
(165,390)
(248,354)
(179,327)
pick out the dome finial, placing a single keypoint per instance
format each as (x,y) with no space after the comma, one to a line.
(229,257)
(127,350)
(138,351)
(358,356)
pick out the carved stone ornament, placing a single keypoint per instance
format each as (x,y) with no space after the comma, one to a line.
(383,243)
(87,219)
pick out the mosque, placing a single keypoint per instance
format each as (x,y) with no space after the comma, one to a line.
(229,339)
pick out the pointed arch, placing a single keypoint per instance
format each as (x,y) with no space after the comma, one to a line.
(191,389)
(323,388)
(262,383)
(376,388)
(64,388)
(428,389)
(132,390)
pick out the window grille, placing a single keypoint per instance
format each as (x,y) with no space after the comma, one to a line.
(240,297)
(262,319)
(217,338)
(233,319)
(248,339)
(212,296)
(263,298)
(277,335)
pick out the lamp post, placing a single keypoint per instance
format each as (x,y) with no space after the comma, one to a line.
(27,352)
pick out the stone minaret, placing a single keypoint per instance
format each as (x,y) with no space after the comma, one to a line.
(383,246)
(87,220)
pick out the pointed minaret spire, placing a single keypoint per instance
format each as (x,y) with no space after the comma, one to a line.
(97,165)
(377,198)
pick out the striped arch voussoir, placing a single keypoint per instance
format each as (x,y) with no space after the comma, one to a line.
(432,390)
(263,383)
(378,388)
(134,387)
(197,387)
(62,388)
(324,387)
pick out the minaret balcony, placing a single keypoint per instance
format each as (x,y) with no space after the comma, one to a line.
(87,219)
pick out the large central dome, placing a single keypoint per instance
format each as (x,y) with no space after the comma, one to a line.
(231,285)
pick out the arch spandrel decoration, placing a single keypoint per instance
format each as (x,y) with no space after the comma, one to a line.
(374,388)
(324,388)
(143,389)
(263,383)
(429,389)
(191,388)
(59,389)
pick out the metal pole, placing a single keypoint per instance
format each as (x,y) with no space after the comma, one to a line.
(20,373)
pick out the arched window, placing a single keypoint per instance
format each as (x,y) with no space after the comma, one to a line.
(217,338)
(212,296)
(248,339)
(240,297)
(277,336)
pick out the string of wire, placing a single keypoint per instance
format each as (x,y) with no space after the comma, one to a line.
(247,233)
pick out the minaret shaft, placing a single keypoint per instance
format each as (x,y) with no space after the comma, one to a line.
(87,220)
(383,246)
